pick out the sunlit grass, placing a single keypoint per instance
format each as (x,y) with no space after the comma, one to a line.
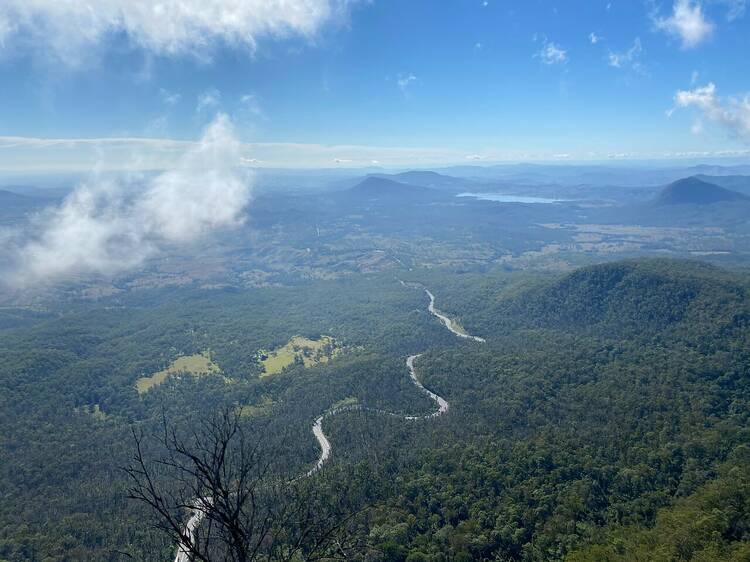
(199,364)
(308,352)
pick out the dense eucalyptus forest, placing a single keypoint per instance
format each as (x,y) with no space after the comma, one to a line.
(374,281)
(605,417)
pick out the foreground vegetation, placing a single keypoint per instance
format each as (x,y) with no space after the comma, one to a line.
(606,418)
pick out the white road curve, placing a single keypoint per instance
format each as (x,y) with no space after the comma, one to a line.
(447,321)
(326,449)
(439,400)
(196,516)
(442,403)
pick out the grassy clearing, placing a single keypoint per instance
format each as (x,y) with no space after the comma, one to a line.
(197,365)
(264,407)
(345,403)
(299,350)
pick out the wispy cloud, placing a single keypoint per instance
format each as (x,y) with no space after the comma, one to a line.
(210,99)
(169,98)
(10,143)
(688,23)
(251,103)
(106,226)
(733,114)
(629,59)
(70,31)
(736,8)
(137,155)
(551,53)
(404,81)
(594,38)
(141,154)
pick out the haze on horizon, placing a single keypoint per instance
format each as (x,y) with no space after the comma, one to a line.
(347,83)
(374,280)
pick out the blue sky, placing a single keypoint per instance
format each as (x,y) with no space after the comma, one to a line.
(331,82)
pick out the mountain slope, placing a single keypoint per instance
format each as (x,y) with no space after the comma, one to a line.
(641,435)
(640,299)
(427,178)
(740,184)
(695,191)
(380,188)
(16,201)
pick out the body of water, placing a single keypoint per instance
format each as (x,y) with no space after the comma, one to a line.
(505,198)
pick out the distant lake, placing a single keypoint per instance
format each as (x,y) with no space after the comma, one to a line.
(505,198)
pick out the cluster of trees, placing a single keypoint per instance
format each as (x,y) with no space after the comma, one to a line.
(606,418)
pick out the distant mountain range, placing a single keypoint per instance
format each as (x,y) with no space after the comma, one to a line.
(741,184)
(416,186)
(427,178)
(696,191)
(589,174)
(381,188)
(10,200)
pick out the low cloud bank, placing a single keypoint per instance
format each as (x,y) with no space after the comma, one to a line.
(105,227)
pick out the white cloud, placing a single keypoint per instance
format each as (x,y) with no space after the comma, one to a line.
(736,8)
(209,99)
(550,53)
(94,143)
(251,103)
(733,114)
(594,38)
(688,23)
(106,226)
(168,97)
(628,59)
(71,29)
(404,81)
(6,29)
(158,126)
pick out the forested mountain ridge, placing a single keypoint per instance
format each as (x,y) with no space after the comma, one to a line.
(376,187)
(630,299)
(570,436)
(695,191)
(608,409)
(740,184)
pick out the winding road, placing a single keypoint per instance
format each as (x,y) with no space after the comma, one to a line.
(442,403)
(326,449)
(447,321)
(197,515)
